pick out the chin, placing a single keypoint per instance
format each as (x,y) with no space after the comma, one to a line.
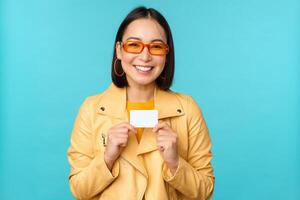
(143,82)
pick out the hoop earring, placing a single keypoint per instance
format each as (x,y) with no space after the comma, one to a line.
(119,75)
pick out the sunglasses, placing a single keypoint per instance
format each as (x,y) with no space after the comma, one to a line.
(154,48)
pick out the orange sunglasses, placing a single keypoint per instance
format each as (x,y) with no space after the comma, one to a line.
(154,48)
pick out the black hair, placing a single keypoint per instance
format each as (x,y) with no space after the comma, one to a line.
(164,81)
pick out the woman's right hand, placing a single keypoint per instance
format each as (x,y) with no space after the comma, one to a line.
(117,137)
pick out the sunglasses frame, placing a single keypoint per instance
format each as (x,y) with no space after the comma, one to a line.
(146,45)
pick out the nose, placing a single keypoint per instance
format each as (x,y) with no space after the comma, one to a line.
(145,54)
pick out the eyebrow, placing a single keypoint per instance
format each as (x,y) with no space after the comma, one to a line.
(136,38)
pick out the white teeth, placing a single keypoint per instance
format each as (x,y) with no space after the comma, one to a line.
(143,68)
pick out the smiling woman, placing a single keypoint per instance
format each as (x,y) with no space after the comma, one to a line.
(139,64)
(112,159)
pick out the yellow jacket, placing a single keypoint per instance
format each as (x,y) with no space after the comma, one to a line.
(140,172)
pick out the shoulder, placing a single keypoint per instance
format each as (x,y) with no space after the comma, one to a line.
(191,108)
(91,103)
(188,102)
(193,113)
(93,99)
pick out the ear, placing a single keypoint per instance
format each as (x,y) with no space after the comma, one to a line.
(118,50)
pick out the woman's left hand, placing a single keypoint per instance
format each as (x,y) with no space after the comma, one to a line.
(166,140)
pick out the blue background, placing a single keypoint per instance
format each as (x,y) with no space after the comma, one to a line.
(238,59)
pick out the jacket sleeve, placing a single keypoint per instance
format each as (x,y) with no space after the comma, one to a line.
(194,177)
(89,174)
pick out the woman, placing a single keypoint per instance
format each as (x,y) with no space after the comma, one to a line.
(111,159)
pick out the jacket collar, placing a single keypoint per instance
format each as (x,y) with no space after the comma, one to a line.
(113,103)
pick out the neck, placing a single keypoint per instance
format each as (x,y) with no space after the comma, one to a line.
(140,93)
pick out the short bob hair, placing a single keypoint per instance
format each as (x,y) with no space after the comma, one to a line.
(164,81)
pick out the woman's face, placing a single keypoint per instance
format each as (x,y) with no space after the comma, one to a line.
(142,69)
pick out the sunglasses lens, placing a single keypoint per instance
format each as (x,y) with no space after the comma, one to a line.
(133,47)
(158,49)
(154,48)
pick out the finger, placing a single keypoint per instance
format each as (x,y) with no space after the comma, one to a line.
(120,135)
(116,127)
(122,130)
(129,127)
(125,125)
(123,145)
(122,142)
(163,132)
(161,125)
(160,146)
(116,135)
(118,132)
(164,138)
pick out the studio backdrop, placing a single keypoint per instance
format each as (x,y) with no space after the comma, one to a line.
(238,59)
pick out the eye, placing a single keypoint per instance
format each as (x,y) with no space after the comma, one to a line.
(157,46)
(133,44)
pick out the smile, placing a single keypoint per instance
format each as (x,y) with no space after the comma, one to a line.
(143,68)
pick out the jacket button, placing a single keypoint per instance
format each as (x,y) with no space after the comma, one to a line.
(102,108)
(103,139)
(178,110)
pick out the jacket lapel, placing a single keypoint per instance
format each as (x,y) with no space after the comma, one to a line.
(148,142)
